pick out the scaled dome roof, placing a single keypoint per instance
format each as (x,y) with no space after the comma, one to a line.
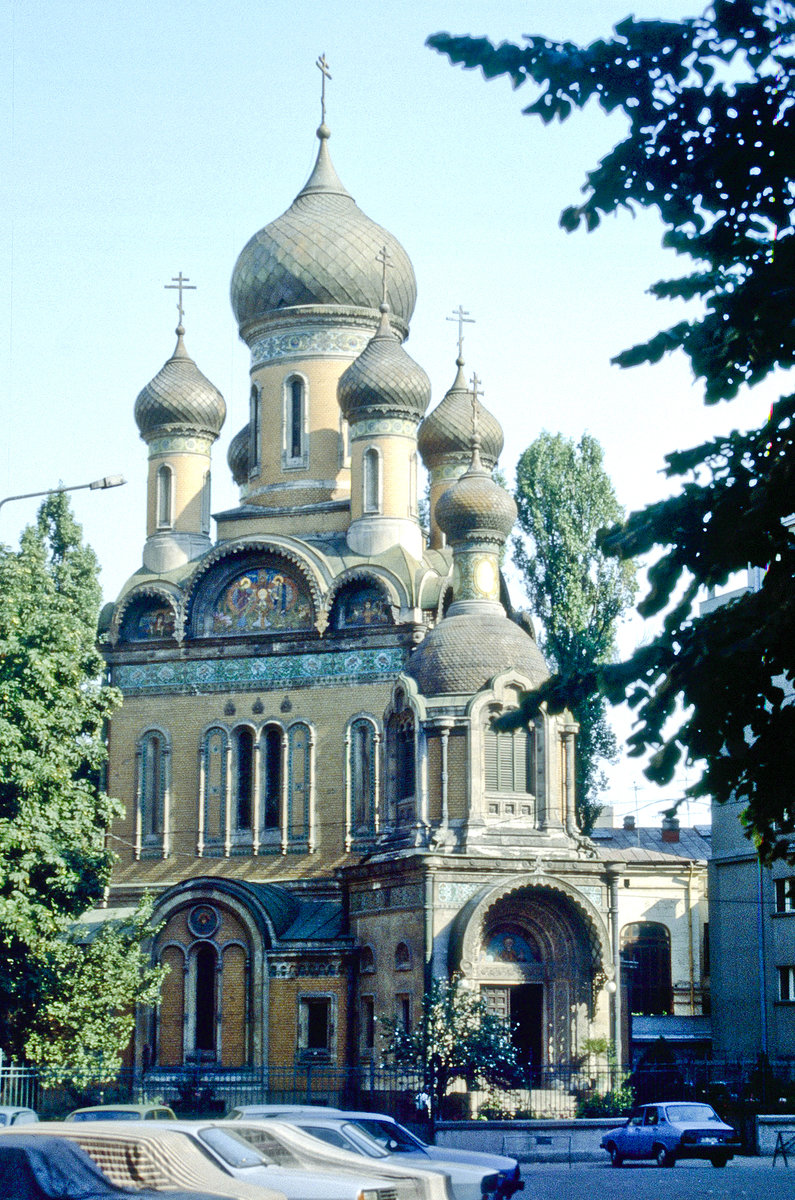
(384,380)
(462,653)
(321,251)
(446,433)
(476,507)
(180,398)
(237,456)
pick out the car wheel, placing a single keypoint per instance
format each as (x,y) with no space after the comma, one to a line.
(663,1157)
(719,1160)
(616,1157)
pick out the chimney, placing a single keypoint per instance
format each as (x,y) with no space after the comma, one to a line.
(670,829)
(629,821)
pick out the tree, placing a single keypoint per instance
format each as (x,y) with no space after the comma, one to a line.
(54,863)
(564,498)
(710,146)
(457,1037)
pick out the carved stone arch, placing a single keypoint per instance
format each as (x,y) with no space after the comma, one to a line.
(391,584)
(218,569)
(171,597)
(431,587)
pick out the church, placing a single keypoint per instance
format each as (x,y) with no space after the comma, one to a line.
(315,790)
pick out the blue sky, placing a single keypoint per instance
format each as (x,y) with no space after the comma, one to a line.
(144,138)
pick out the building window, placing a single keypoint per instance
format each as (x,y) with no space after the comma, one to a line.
(371,481)
(254,429)
(165,499)
(785,895)
(315,1026)
(152,787)
(368,1024)
(205,515)
(205,969)
(271,776)
(362,772)
(646,968)
(402,957)
(403,1011)
(786,984)
(508,759)
(299,793)
(243,795)
(294,445)
(366,961)
(213,781)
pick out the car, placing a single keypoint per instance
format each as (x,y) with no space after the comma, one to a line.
(395,1138)
(47,1167)
(669,1131)
(468,1181)
(123,1112)
(12,1114)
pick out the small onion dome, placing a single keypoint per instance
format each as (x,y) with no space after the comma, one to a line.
(384,381)
(238,455)
(445,434)
(179,398)
(322,250)
(475,508)
(462,653)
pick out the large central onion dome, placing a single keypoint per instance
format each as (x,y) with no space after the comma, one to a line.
(322,251)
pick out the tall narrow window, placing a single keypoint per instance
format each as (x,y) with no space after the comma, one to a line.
(401,780)
(152,786)
(294,438)
(316,1025)
(785,894)
(206,503)
(362,778)
(214,779)
(299,783)
(646,967)
(368,1024)
(271,776)
(206,961)
(507,759)
(371,464)
(255,429)
(164,497)
(244,778)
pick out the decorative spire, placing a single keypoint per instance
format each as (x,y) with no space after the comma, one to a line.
(325,74)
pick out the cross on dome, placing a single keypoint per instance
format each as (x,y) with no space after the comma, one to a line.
(325,74)
(386,262)
(180,283)
(462,316)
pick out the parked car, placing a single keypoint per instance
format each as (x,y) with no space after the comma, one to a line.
(469,1182)
(123,1112)
(11,1114)
(671,1130)
(54,1168)
(149,1155)
(395,1138)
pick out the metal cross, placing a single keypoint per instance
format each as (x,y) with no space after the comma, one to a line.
(476,391)
(460,315)
(325,74)
(386,262)
(181,283)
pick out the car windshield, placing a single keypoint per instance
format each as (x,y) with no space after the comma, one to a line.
(691,1112)
(266,1143)
(389,1136)
(233,1149)
(107,1114)
(346,1138)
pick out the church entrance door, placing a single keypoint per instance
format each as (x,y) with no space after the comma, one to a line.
(527,1021)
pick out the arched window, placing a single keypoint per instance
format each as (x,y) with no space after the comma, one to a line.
(271,777)
(299,786)
(165,499)
(646,968)
(294,443)
(205,964)
(362,776)
(152,790)
(254,429)
(212,803)
(371,480)
(402,957)
(401,780)
(366,961)
(243,768)
(205,516)
(508,759)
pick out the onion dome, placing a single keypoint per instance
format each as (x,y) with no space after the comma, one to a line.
(476,508)
(179,398)
(462,653)
(238,455)
(321,251)
(445,434)
(384,381)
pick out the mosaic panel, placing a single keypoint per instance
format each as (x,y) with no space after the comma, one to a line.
(361,606)
(263,600)
(451,895)
(510,946)
(151,623)
(233,674)
(342,342)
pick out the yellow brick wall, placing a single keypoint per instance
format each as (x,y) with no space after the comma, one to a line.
(172,1009)
(187,484)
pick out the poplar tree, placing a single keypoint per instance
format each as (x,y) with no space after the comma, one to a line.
(708,103)
(66,1000)
(564,497)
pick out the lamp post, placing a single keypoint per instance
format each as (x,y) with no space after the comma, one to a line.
(107,481)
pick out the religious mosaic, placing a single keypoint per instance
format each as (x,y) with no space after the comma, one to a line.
(510,946)
(148,624)
(263,600)
(359,607)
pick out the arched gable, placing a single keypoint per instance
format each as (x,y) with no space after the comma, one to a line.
(151,612)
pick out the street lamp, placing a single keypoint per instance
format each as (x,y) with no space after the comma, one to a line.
(107,481)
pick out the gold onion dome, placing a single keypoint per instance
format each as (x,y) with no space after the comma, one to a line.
(445,434)
(321,251)
(237,455)
(180,398)
(384,381)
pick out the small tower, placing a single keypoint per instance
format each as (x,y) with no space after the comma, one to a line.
(179,415)
(383,396)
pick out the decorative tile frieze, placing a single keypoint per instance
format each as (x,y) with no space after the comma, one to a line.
(271,672)
(289,969)
(180,444)
(300,343)
(592,892)
(407,895)
(391,426)
(453,895)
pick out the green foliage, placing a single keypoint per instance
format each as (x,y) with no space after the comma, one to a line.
(710,146)
(54,863)
(457,1037)
(564,497)
(619,1097)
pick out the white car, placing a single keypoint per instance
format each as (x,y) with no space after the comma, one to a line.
(468,1181)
